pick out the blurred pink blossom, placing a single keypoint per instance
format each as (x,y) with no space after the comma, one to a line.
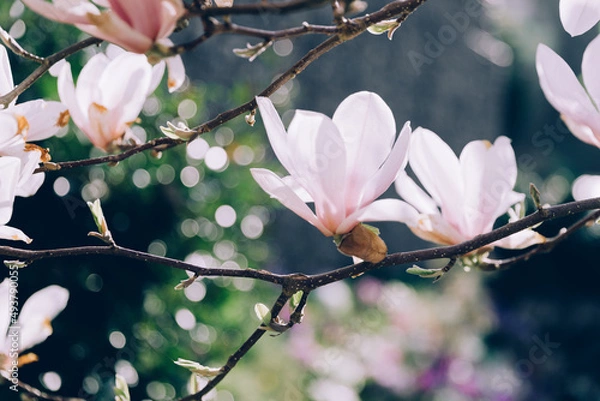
(136,25)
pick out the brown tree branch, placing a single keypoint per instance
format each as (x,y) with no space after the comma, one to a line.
(37,393)
(260,7)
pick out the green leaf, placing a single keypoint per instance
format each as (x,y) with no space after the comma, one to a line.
(197,368)
(263,313)
(295,300)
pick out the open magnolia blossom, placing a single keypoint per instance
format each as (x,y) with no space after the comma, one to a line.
(466,194)
(110,94)
(136,25)
(579,16)
(578,108)
(342,164)
(33,325)
(22,123)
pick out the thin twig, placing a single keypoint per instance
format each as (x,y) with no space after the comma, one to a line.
(30,256)
(262,7)
(16,48)
(549,245)
(240,352)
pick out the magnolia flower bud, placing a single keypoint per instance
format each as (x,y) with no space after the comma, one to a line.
(364,243)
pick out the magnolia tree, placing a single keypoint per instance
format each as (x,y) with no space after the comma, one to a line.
(337,167)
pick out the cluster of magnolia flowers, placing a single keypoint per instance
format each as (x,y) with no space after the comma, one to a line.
(109,95)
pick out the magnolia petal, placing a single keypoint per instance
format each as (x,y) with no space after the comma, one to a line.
(45,118)
(578,16)
(125,96)
(276,132)
(413,194)
(381,210)
(276,187)
(589,70)
(438,169)
(13,234)
(38,311)
(175,73)
(9,177)
(170,12)
(6,78)
(565,93)
(29,183)
(110,27)
(291,182)
(72,12)
(435,228)
(521,240)
(368,130)
(68,96)
(392,166)
(320,164)
(586,187)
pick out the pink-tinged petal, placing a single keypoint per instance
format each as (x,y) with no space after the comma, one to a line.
(68,96)
(142,15)
(437,168)
(579,16)
(582,131)
(276,133)
(110,27)
(171,11)
(392,166)
(413,194)
(368,130)
(29,183)
(489,174)
(276,187)
(564,92)
(435,228)
(521,240)
(102,128)
(6,79)
(589,69)
(87,91)
(586,187)
(45,118)
(13,234)
(9,177)
(291,182)
(125,96)
(67,12)
(37,313)
(175,73)
(320,163)
(381,210)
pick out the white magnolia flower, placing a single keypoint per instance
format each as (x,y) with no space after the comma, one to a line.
(109,95)
(578,105)
(33,324)
(342,164)
(579,16)
(36,120)
(466,194)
